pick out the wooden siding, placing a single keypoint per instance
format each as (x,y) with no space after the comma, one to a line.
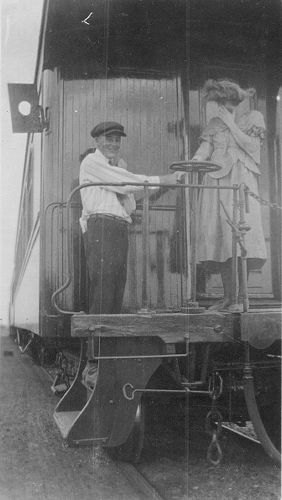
(152,112)
(53,248)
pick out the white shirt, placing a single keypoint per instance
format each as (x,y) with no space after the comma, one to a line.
(104,200)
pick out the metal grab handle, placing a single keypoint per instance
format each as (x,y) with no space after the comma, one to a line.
(195,166)
(69,274)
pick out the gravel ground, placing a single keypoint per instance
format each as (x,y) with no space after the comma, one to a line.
(36,465)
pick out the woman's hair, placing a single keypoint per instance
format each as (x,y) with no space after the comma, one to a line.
(224,90)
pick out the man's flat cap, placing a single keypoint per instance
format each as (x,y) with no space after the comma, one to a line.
(107,128)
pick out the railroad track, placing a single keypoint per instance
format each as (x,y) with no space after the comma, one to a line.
(149,491)
(138,481)
(248,442)
(166,474)
(241,434)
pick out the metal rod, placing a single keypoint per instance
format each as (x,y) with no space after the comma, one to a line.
(143,356)
(181,239)
(130,396)
(247,200)
(145,247)
(187,229)
(193,239)
(243,248)
(234,272)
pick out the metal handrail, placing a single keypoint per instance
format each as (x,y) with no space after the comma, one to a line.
(146,186)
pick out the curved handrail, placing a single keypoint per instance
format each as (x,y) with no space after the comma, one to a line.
(69,242)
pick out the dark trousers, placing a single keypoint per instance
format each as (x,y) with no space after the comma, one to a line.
(106,247)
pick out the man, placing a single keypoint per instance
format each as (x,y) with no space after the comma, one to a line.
(106,216)
(104,223)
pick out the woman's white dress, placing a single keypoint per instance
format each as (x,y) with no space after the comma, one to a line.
(215,235)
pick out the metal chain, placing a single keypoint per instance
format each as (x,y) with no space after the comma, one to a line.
(266,203)
(213,422)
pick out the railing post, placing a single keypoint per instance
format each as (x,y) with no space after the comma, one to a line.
(243,228)
(182,244)
(189,303)
(193,238)
(145,248)
(234,273)
(187,293)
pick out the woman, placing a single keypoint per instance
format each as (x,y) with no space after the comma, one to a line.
(236,147)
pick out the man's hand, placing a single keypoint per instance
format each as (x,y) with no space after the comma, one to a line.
(171,178)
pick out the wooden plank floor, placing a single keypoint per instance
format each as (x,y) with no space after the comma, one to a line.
(170,327)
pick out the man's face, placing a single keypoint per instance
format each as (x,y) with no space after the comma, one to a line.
(109,145)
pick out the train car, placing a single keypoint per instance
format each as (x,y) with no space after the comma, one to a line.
(143,63)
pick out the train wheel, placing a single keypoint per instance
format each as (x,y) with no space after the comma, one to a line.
(264,407)
(271,418)
(130,451)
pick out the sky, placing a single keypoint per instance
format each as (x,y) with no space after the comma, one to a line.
(20,25)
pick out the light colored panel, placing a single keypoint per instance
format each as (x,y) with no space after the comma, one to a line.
(36,174)
(27,295)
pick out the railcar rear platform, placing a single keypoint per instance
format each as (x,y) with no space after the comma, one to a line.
(130,349)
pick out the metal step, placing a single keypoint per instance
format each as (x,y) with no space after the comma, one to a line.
(65,420)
